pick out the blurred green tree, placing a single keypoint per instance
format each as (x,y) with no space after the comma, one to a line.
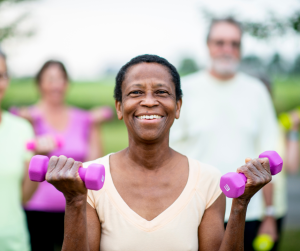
(270,27)
(187,66)
(296,67)
(12,29)
(276,65)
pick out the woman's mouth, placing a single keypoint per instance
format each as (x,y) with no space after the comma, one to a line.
(149,117)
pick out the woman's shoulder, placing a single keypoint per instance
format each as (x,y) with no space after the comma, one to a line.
(94,197)
(205,170)
(14,120)
(208,181)
(102,160)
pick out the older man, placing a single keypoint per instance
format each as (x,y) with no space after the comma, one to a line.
(219,123)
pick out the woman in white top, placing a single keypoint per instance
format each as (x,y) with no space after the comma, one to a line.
(153,198)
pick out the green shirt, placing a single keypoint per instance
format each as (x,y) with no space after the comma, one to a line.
(14,133)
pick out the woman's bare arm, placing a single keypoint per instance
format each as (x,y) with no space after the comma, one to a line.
(93,228)
(211,228)
(82,226)
(95,143)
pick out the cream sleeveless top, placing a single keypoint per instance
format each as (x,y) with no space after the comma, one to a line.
(175,229)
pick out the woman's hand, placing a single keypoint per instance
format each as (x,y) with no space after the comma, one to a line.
(45,144)
(63,174)
(101,114)
(257,172)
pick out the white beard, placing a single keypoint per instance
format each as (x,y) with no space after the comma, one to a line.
(225,66)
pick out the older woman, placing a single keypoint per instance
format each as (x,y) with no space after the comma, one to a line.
(15,186)
(51,117)
(153,198)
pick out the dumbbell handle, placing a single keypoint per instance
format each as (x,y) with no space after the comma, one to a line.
(93,176)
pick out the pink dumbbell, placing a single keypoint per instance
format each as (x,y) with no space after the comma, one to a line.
(107,112)
(93,176)
(31,145)
(233,184)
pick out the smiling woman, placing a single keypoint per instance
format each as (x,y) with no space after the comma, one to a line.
(154,198)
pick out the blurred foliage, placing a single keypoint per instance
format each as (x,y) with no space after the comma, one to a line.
(187,66)
(270,27)
(276,66)
(12,29)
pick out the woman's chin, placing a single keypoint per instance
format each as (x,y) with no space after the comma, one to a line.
(151,137)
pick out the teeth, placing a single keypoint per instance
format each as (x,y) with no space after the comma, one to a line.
(149,117)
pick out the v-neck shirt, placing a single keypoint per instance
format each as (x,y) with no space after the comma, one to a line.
(176,228)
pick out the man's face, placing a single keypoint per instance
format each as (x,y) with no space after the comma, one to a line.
(224,48)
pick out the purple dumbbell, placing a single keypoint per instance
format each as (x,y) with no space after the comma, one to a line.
(31,145)
(107,112)
(233,184)
(93,176)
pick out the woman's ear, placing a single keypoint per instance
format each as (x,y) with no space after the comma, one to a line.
(118,105)
(178,107)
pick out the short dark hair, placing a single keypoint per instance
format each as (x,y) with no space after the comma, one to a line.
(47,65)
(229,20)
(147,58)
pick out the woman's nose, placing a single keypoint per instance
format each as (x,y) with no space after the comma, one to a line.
(149,100)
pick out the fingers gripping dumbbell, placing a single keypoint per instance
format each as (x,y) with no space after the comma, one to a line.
(93,176)
(233,184)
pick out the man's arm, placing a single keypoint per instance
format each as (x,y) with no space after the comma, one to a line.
(268,225)
(268,140)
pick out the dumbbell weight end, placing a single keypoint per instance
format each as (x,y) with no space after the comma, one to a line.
(93,176)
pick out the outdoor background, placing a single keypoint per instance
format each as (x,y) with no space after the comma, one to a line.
(95,38)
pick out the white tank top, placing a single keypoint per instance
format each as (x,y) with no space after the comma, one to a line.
(175,229)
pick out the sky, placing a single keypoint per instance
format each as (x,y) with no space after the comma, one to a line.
(91,36)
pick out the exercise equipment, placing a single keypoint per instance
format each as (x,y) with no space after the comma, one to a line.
(263,242)
(107,112)
(31,145)
(286,121)
(93,176)
(233,184)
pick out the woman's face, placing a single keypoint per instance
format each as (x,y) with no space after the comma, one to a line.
(3,78)
(53,85)
(149,104)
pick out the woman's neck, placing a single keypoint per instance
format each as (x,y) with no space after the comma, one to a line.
(150,156)
(51,107)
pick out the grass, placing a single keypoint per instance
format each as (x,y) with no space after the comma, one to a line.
(286,96)
(290,240)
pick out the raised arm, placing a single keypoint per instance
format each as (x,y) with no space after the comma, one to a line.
(28,186)
(211,229)
(95,143)
(82,226)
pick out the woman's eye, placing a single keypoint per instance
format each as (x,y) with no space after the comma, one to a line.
(135,92)
(161,92)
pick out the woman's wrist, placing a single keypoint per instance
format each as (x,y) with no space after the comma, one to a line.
(239,205)
(293,135)
(76,201)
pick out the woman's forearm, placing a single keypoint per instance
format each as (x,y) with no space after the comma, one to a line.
(28,186)
(75,234)
(292,156)
(234,235)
